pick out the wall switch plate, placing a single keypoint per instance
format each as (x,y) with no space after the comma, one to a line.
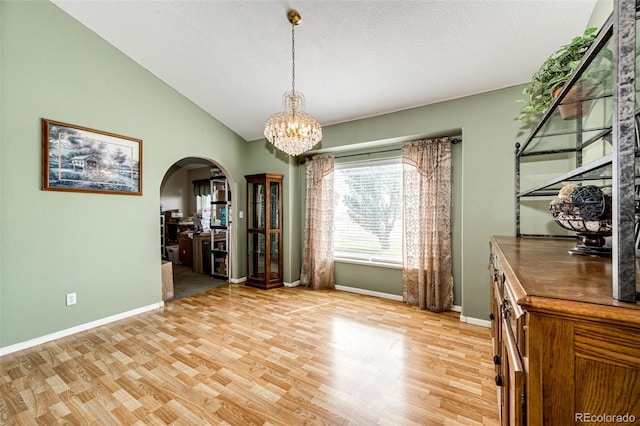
(240,214)
(71,299)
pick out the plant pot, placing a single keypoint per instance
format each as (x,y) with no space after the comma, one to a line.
(574,105)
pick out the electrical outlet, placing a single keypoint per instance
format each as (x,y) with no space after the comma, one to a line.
(71,299)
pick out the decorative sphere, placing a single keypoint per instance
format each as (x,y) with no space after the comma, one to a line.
(590,202)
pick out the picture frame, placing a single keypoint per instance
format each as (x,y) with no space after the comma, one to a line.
(80,159)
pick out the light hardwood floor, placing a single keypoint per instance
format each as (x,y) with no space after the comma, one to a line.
(242,356)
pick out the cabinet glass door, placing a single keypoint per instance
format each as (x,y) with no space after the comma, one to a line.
(257,256)
(274,258)
(274,191)
(256,194)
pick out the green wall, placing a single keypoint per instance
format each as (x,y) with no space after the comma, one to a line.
(103,247)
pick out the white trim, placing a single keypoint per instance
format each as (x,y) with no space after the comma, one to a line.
(367,263)
(369,292)
(244,279)
(454,308)
(475,321)
(78,328)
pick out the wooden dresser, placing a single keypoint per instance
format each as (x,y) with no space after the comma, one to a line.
(565,351)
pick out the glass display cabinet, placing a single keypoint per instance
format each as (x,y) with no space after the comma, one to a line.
(577,172)
(264,230)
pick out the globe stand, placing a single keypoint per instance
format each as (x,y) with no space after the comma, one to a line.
(592,245)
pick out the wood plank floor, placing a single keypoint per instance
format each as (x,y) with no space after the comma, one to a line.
(241,356)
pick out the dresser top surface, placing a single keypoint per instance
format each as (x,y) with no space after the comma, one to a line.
(544,268)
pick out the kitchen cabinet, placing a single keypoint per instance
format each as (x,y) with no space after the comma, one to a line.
(185,248)
(202,253)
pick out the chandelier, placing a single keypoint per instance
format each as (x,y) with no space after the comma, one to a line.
(293,130)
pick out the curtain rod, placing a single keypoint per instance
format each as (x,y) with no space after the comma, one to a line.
(454,141)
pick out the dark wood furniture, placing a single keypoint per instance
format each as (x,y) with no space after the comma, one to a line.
(173,227)
(202,252)
(185,247)
(264,230)
(564,348)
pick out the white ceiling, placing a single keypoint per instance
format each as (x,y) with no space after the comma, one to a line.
(354,58)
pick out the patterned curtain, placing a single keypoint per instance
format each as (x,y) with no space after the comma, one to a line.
(317,257)
(426,175)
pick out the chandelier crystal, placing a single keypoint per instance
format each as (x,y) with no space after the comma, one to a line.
(293,131)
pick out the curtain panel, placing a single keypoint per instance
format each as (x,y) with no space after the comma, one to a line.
(317,257)
(426,174)
(201,187)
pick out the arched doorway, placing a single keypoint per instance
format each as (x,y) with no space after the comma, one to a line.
(188,212)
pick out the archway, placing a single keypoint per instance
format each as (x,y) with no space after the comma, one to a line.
(195,258)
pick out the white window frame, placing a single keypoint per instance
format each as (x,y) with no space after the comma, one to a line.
(342,257)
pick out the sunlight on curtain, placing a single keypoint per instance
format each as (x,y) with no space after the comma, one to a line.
(317,257)
(426,274)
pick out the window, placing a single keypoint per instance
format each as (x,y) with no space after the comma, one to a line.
(202,192)
(203,203)
(368,211)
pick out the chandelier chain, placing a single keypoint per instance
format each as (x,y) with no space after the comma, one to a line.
(293,58)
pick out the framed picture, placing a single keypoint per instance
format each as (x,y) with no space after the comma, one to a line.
(79,159)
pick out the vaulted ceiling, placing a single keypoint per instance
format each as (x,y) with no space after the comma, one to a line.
(354,58)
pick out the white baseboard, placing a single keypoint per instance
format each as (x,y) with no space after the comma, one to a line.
(470,320)
(244,279)
(82,327)
(369,292)
(454,308)
(475,321)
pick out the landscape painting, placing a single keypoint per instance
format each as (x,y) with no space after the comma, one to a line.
(80,159)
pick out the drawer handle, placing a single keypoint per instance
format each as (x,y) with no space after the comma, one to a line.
(491,316)
(513,354)
(498,380)
(506,308)
(496,360)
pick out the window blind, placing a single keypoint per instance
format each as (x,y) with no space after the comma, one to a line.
(368,211)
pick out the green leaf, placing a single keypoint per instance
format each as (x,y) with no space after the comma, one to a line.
(554,72)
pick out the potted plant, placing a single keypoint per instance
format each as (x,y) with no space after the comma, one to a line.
(553,73)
